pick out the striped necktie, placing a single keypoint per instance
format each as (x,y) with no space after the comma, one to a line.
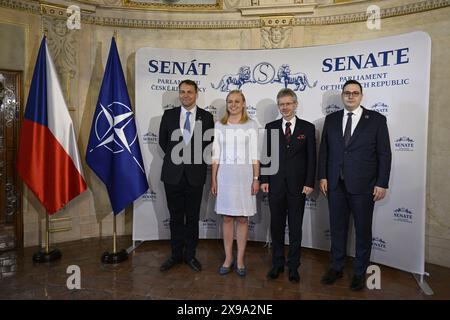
(288,133)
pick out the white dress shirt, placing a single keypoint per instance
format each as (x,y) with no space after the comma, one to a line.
(183,112)
(355,119)
(292,121)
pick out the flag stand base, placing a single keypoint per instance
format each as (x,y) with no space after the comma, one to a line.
(43,256)
(113,258)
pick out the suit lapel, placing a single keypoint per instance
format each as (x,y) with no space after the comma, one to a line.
(198,114)
(360,126)
(176,121)
(178,115)
(297,128)
(281,134)
(198,126)
(338,126)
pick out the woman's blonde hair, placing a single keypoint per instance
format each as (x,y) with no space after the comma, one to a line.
(244,117)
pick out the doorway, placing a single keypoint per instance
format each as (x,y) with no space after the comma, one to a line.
(11,220)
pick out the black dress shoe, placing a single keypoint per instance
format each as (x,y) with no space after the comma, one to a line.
(331,276)
(294,277)
(169,263)
(275,272)
(194,264)
(358,283)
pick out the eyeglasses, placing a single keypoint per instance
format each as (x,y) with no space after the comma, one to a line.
(352,93)
(287,104)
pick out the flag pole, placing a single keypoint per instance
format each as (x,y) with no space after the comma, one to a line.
(35,158)
(47,234)
(114,235)
(47,255)
(108,167)
(114,256)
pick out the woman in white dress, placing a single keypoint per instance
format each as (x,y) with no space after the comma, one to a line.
(235,177)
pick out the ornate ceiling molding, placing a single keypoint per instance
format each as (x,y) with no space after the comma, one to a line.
(170,24)
(384,13)
(277,21)
(32,7)
(100,17)
(194,5)
(281,9)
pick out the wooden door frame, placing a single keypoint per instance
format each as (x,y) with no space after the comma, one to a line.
(19,228)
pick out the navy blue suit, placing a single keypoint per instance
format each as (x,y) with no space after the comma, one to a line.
(297,168)
(363,164)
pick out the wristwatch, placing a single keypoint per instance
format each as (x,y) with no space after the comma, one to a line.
(256,178)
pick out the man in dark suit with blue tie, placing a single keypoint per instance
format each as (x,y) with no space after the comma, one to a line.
(183,140)
(294,180)
(354,169)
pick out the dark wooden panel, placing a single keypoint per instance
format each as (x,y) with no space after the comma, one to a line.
(11,223)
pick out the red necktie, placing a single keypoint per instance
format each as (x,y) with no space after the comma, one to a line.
(288,132)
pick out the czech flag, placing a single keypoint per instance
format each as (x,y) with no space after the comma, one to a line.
(48,160)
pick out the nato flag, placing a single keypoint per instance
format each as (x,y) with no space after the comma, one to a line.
(113,151)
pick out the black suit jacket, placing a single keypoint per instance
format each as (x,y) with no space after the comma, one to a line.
(366,161)
(195,167)
(297,161)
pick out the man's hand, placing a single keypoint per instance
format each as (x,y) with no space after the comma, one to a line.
(378,193)
(323,186)
(307,190)
(265,187)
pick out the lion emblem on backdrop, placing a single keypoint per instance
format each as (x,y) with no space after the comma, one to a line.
(236,81)
(299,80)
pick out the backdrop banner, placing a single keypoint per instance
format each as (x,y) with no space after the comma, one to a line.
(395,74)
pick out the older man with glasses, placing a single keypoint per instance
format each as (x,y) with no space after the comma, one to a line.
(288,187)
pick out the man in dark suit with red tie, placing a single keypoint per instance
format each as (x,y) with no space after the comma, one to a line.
(295,153)
(183,140)
(354,169)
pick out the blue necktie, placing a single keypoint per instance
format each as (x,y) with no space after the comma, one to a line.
(187,128)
